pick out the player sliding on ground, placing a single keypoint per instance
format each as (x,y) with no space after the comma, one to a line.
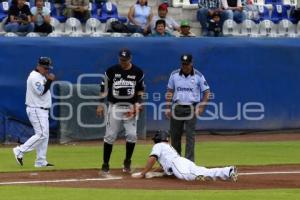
(173,164)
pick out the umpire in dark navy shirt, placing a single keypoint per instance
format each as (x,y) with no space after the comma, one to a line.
(188,92)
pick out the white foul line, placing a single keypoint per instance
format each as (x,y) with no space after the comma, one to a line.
(118,178)
(60,181)
(267,173)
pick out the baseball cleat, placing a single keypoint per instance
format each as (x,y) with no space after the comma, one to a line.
(104,172)
(126,166)
(47,165)
(105,168)
(16,152)
(233,174)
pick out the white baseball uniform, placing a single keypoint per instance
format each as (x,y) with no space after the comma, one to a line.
(173,164)
(38,101)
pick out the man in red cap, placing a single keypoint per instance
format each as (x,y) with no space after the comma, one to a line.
(171,24)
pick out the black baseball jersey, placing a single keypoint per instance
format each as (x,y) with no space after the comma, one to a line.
(124,85)
(19,12)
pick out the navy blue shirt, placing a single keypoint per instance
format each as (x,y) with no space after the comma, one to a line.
(124,85)
(18,12)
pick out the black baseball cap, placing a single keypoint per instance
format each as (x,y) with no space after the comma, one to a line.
(125,54)
(186,58)
(45,62)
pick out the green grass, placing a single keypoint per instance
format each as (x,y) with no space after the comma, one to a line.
(248,153)
(46,193)
(207,154)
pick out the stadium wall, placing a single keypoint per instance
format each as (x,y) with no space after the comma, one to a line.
(254,80)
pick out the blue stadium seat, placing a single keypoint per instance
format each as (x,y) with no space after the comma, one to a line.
(93,8)
(99,3)
(279,12)
(4,7)
(194,1)
(263,13)
(56,13)
(273,1)
(110,10)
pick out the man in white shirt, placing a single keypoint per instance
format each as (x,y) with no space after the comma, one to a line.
(171,24)
(38,102)
(173,164)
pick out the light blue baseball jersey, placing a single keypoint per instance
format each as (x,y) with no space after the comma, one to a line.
(187,89)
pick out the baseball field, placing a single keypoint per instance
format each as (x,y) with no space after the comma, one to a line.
(269,168)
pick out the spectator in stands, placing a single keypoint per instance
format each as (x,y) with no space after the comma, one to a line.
(214,26)
(78,9)
(234,10)
(295,14)
(207,8)
(171,24)
(248,7)
(41,17)
(252,12)
(160,29)
(185,30)
(140,17)
(19,18)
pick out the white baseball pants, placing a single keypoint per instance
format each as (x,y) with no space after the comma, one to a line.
(39,119)
(187,170)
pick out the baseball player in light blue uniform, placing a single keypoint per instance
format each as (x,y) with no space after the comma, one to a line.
(38,102)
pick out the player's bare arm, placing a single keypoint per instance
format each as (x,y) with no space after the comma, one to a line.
(150,163)
(100,107)
(205,99)
(169,97)
(138,105)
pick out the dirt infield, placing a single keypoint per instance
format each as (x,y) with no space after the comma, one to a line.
(250,177)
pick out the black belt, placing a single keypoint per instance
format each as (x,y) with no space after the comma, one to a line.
(44,108)
(121,104)
(40,108)
(187,106)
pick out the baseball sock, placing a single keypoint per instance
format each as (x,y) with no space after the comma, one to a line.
(106,152)
(129,150)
